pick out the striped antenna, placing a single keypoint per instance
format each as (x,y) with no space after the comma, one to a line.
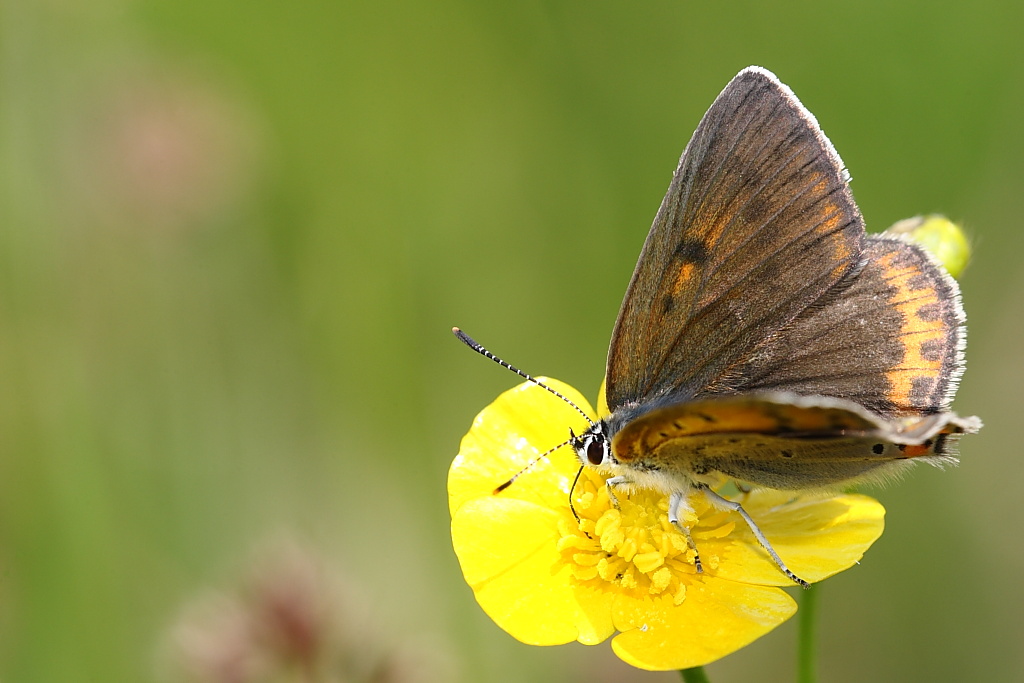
(534,462)
(572,437)
(471,343)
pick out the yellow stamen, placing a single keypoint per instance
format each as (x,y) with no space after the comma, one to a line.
(633,547)
(648,562)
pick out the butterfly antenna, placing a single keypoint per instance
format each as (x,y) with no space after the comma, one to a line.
(531,464)
(572,489)
(471,343)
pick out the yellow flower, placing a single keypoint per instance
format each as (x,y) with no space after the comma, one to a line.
(549,579)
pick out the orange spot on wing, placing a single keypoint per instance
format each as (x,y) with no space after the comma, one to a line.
(916,451)
(831,223)
(683,277)
(916,331)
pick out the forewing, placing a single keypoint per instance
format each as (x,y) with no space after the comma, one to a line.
(782,440)
(892,341)
(757,224)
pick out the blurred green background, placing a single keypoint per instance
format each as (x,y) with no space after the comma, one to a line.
(234,236)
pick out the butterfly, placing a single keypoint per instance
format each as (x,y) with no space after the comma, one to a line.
(764,337)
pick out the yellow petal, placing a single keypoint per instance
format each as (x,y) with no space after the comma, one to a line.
(521,424)
(509,556)
(815,536)
(716,617)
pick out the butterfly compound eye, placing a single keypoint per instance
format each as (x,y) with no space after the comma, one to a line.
(595,451)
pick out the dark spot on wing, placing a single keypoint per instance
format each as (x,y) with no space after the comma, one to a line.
(692,251)
(921,281)
(932,349)
(930,312)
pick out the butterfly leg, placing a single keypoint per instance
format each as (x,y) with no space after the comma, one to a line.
(611,484)
(726,504)
(675,503)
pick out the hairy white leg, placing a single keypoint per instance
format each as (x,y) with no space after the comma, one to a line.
(611,483)
(676,502)
(726,504)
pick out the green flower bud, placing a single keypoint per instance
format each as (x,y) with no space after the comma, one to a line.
(943,238)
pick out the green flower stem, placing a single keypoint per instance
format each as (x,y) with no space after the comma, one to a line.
(807,655)
(695,675)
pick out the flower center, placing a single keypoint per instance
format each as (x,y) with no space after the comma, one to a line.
(634,546)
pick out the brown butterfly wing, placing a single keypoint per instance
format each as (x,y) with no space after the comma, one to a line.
(757,225)
(784,441)
(892,341)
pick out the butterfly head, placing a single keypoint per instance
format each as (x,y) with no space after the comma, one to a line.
(593,447)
